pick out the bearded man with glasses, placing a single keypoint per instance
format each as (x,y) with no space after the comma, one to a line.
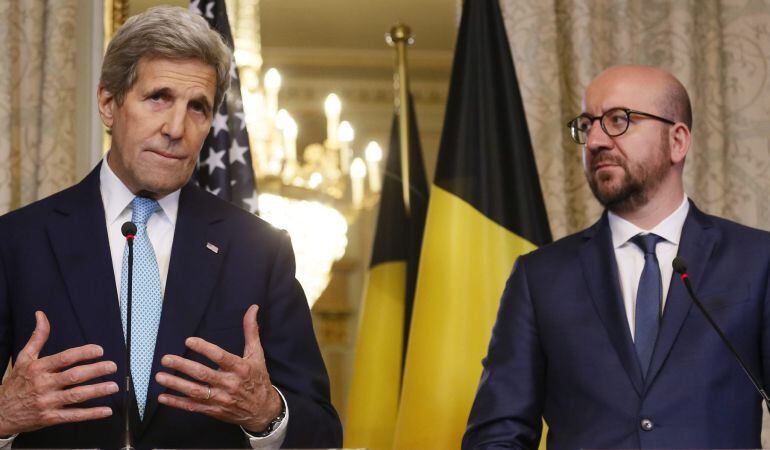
(595,334)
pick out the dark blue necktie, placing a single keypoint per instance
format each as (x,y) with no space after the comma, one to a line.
(648,300)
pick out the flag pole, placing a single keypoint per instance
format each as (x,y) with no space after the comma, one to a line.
(400,36)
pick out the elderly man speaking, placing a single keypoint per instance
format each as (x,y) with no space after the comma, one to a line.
(223,350)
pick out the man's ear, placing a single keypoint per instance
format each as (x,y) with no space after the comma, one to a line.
(679,142)
(107,105)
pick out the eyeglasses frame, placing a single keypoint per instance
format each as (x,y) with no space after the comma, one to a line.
(628,112)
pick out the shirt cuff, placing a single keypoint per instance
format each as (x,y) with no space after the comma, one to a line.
(272,440)
(7,442)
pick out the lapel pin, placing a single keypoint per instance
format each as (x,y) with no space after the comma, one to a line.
(212,247)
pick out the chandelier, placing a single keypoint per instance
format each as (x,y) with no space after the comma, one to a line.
(313,194)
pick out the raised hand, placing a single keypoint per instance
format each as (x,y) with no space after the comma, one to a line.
(239,392)
(39,391)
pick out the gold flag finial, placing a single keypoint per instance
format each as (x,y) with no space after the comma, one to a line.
(400,36)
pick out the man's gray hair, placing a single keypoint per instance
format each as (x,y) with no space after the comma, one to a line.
(164,32)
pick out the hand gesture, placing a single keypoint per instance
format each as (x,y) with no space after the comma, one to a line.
(38,391)
(239,392)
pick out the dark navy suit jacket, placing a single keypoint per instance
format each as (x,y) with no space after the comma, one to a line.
(561,348)
(55,257)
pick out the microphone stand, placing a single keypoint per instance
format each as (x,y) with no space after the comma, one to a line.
(129,231)
(680,267)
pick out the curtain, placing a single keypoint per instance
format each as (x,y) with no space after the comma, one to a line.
(37,99)
(719,49)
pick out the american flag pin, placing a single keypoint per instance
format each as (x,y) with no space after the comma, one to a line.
(212,247)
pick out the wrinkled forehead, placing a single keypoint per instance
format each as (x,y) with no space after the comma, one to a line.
(189,75)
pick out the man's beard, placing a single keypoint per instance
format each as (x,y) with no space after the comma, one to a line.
(633,190)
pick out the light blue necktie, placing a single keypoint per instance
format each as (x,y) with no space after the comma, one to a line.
(648,300)
(146,299)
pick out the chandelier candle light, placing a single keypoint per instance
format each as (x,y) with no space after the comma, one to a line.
(332,108)
(272,86)
(346,134)
(373,154)
(313,192)
(357,175)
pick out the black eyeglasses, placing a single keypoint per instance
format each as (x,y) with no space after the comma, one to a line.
(614,122)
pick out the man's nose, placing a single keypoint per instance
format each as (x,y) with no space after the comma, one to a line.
(174,123)
(597,139)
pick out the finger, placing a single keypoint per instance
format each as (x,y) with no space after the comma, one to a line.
(80,374)
(190,389)
(187,404)
(221,357)
(80,394)
(39,337)
(191,368)
(253,346)
(68,415)
(70,357)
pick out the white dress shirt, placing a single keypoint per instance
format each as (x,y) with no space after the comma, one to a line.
(630,258)
(117,198)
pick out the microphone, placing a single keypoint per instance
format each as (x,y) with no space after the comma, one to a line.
(129,231)
(680,267)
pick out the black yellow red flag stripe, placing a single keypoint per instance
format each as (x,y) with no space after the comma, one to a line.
(387,306)
(486,209)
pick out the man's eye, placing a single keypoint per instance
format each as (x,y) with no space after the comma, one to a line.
(583,123)
(198,107)
(156,97)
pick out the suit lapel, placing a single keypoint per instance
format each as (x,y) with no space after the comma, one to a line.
(78,235)
(600,270)
(696,246)
(192,275)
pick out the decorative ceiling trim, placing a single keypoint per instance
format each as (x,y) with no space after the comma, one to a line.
(420,61)
(357,92)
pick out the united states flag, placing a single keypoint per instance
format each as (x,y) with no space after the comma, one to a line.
(224,167)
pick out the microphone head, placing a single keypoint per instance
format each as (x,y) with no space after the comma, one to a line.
(128,228)
(680,265)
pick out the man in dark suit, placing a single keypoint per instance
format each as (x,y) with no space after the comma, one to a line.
(596,335)
(207,370)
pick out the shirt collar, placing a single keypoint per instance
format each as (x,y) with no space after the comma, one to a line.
(669,228)
(116,197)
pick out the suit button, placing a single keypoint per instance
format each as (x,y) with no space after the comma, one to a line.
(647,424)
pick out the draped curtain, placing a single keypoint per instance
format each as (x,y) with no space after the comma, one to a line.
(37,99)
(719,49)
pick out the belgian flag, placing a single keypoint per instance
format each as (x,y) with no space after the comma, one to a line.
(486,209)
(387,306)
